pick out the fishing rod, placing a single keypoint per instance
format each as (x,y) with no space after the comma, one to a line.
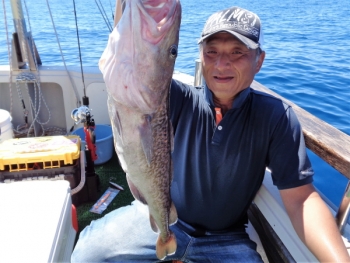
(83,115)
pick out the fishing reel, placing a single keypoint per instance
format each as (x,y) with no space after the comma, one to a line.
(81,114)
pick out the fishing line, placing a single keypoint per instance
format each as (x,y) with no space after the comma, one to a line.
(78,102)
(81,62)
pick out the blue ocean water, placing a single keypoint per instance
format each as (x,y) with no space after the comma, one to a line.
(307,46)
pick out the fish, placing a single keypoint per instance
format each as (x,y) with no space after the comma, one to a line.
(137,67)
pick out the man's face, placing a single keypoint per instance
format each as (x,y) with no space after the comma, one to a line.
(228,65)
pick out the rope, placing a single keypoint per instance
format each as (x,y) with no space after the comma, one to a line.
(78,102)
(35,79)
(81,62)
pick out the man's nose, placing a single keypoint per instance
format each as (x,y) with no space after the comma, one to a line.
(223,61)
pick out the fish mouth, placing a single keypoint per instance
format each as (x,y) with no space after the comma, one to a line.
(159,10)
(157,16)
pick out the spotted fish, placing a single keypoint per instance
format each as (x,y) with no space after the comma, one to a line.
(137,67)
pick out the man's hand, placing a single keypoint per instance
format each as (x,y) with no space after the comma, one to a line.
(314,223)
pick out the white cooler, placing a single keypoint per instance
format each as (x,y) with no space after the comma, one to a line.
(36,222)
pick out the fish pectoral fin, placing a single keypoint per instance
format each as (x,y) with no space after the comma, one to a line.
(154,225)
(116,123)
(166,248)
(172,214)
(147,137)
(135,192)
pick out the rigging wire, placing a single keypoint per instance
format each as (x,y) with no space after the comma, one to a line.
(104,15)
(81,62)
(77,97)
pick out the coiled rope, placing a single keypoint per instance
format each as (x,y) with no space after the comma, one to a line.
(26,77)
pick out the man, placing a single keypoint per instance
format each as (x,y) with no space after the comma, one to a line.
(225,135)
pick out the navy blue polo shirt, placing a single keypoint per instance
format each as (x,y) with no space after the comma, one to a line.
(219,168)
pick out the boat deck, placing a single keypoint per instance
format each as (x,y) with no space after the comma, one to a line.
(109,171)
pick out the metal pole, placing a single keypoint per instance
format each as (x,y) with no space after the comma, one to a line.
(24,53)
(344,209)
(20,27)
(198,76)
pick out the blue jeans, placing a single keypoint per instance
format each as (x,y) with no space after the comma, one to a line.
(125,235)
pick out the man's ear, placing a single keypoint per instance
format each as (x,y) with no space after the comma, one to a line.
(260,62)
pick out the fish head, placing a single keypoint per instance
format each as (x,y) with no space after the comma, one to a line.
(139,60)
(156,31)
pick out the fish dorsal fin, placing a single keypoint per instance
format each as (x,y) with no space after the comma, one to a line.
(147,137)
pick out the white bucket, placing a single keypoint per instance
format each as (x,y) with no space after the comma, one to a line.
(6,131)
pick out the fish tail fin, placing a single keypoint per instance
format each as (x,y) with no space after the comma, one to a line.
(164,249)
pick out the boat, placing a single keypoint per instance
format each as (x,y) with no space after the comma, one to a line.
(46,97)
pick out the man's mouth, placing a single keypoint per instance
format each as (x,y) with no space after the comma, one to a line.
(223,77)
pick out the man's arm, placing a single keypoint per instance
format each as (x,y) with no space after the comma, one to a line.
(119,8)
(314,223)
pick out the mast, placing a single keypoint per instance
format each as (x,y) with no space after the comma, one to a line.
(24,53)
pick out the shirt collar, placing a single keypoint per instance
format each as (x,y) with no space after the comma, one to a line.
(238,101)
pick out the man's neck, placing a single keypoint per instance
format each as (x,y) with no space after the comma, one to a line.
(224,105)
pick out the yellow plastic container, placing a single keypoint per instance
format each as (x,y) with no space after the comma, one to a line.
(47,152)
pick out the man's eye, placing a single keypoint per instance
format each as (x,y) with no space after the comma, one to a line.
(211,52)
(237,52)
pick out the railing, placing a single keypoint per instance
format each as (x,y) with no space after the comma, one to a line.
(329,143)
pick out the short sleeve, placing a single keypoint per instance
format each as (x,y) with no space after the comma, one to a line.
(287,158)
(176,100)
(181,95)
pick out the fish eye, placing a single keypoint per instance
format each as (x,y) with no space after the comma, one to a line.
(173,51)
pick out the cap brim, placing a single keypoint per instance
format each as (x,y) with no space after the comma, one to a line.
(250,43)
